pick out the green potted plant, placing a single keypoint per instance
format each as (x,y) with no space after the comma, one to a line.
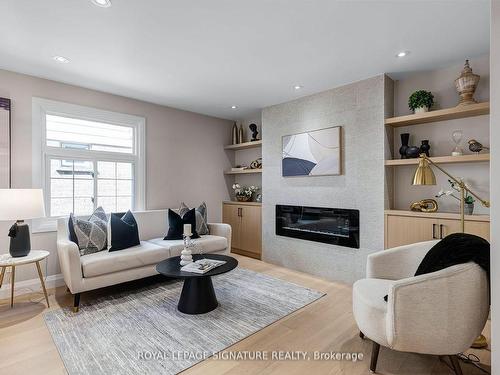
(421,101)
(468,199)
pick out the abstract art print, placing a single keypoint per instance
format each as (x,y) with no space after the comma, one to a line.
(4,143)
(314,153)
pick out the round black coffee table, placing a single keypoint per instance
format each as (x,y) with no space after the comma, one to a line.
(198,294)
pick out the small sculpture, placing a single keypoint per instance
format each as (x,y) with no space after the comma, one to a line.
(253,129)
(241,136)
(425,147)
(466,85)
(476,147)
(256,164)
(425,205)
(235,134)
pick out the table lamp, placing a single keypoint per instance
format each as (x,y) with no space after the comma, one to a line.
(20,205)
(425,176)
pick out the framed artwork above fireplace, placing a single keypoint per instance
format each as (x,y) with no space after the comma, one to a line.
(312,153)
(5,143)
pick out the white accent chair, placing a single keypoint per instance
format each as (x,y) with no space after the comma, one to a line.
(439,313)
(104,268)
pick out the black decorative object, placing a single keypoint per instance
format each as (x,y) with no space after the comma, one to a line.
(425,147)
(176,224)
(253,129)
(334,226)
(124,231)
(405,138)
(20,244)
(412,152)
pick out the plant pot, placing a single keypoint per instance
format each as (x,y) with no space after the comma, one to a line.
(243,198)
(469,208)
(421,110)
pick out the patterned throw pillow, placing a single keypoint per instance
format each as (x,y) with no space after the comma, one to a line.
(92,233)
(201,217)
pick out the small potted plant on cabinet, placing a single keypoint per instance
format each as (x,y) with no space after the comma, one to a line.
(421,101)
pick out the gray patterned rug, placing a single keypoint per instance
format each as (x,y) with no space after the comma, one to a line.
(142,332)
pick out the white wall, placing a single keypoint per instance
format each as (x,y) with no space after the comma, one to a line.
(495,184)
(359,109)
(441,83)
(185,157)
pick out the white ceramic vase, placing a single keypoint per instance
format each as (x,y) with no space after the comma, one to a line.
(421,110)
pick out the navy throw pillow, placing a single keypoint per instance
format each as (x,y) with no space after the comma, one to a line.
(124,231)
(176,224)
(71,229)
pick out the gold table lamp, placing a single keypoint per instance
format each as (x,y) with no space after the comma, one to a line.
(425,176)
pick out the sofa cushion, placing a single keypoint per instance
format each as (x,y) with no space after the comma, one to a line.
(124,232)
(208,244)
(370,309)
(105,262)
(176,224)
(91,233)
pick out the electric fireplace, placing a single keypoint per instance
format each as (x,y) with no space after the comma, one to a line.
(334,226)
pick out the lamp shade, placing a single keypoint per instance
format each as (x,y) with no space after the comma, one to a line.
(21,204)
(424,174)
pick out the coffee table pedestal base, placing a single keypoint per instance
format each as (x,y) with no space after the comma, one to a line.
(197,296)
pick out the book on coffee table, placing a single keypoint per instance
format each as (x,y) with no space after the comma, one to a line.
(202,265)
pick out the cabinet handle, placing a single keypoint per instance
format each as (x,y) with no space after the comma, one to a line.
(241,212)
(434,231)
(441,227)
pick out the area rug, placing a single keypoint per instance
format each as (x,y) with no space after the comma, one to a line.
(142,332)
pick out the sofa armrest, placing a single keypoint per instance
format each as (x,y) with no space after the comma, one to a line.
(397,263)
(223,230)
(440,312)
(69,258)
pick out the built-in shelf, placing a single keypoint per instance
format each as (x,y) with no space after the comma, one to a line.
(464,111)
(243,203)
(437,215)
(442,160)
(243,146)
(244,171)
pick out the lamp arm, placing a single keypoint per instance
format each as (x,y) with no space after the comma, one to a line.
(484,202)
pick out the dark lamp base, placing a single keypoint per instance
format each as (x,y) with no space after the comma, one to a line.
(20,244)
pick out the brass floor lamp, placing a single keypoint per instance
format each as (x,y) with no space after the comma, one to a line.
(425,176)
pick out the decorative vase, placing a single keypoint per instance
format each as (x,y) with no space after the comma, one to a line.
(243,198)
(425,147)
(421,110)
(235,139)
(240,134)
(405,138)
(466,85)
(412,152)
(469,208)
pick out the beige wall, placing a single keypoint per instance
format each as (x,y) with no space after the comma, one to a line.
(184,150)
(495,183)
(441,83)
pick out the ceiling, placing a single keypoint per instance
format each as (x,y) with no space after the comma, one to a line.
(207,55)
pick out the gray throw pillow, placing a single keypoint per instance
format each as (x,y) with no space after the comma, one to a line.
(201,217)
(92,233)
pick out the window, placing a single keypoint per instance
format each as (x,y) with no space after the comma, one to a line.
(89,157)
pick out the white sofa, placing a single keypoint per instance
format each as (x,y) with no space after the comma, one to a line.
(439,313)
(98,270)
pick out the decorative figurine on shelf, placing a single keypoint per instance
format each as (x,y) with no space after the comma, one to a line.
(241,137)
(405,138)
(425,205)
(457,139)
(425,147)
(466,85)
(235,139)
(186,254)
(256,164)
(253,129)
(476,147)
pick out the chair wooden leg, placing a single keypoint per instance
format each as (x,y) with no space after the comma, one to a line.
(373,362)
(362,335)
(455,364)
(76,304)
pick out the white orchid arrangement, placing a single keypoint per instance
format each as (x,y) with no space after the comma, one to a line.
(450,193)
(244,191)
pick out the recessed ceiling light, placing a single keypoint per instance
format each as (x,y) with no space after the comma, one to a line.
(234,107)
(102,3)
(297,87)
(402,54)
(61,59)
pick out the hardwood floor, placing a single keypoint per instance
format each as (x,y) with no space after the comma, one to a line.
(326,325)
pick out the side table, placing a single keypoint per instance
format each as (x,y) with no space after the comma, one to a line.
(35,256)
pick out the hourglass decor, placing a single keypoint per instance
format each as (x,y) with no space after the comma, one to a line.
(457,139)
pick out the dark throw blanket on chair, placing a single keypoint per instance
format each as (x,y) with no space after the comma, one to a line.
(457,248)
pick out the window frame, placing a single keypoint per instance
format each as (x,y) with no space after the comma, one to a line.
(41,153)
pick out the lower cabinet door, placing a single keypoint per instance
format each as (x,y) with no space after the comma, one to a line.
(479,228)
(404,230)
(230,215)
(251,239)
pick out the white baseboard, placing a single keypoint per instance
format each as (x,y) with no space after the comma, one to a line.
(31,286)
